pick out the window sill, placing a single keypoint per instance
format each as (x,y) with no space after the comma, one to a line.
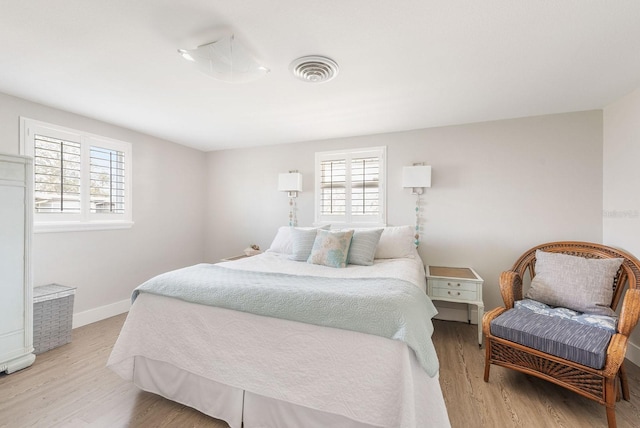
(78,227)
(344,225)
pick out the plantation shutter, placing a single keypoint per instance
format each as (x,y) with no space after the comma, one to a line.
(365,186)
(333,187)
(57,175)
(107,173)
(82,181)
(349,187)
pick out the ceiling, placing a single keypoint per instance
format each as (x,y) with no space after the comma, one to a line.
(403,64)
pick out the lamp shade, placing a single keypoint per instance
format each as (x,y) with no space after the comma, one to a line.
(416,176)
(290,182)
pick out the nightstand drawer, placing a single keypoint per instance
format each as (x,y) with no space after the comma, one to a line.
(453,284)
(459,294)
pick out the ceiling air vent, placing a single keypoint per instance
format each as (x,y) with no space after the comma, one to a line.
(314,69)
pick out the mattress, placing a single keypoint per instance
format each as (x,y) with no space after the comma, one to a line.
(266,372)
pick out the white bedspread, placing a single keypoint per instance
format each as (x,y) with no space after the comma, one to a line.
(387,307)
(408,269)
(366,378)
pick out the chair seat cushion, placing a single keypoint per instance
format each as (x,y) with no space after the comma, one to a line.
(602,321)
(564,338)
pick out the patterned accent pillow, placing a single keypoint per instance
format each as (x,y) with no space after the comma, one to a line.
(331,248)
(363,247)
(302,242)
(578,283)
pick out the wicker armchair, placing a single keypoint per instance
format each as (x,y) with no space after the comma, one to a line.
(599,385)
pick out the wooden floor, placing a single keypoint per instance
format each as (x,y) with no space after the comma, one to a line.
(70,387)
(512,399)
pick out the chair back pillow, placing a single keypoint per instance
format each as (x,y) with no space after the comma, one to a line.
(578,283)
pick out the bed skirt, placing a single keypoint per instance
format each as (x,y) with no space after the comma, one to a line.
(236,407)
(256,371)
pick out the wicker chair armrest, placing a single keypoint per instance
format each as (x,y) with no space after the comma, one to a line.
(630,312)
(615,354)
(510,288)
(488,317)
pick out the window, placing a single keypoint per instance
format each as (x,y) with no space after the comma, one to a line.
(350,187)
(81,181)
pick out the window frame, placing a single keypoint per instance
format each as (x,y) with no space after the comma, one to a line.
(349,219)
(85,220)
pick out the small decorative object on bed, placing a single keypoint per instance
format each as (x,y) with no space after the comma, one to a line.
(581,345)
(272,340)
(252,250)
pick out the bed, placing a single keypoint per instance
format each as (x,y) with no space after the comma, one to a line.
(255,367)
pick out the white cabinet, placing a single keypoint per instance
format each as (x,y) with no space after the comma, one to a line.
(16,291)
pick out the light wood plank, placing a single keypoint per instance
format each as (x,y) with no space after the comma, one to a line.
(512,399)
(71,387)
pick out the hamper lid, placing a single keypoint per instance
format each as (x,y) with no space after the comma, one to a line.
(51,291)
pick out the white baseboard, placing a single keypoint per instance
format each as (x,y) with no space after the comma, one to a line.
(101,313)
(474,316)
(450,314)
(456,312)
(633,353)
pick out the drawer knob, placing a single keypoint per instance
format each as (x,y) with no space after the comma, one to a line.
(457,293)
(451,285)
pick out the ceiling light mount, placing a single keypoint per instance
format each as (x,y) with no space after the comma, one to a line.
(314,68)
(225,59)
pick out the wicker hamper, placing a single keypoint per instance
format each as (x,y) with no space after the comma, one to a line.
(52,316)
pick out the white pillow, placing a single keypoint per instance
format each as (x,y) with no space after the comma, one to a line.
(396,242)
(283,241)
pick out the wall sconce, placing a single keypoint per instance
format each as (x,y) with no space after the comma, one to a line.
(417,177)
(291,183)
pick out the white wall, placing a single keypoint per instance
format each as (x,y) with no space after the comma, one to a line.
(169,182)
(498,188)
(621,201)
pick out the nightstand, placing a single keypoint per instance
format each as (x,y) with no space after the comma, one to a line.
(240,256)
(458,285)
(233,258)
